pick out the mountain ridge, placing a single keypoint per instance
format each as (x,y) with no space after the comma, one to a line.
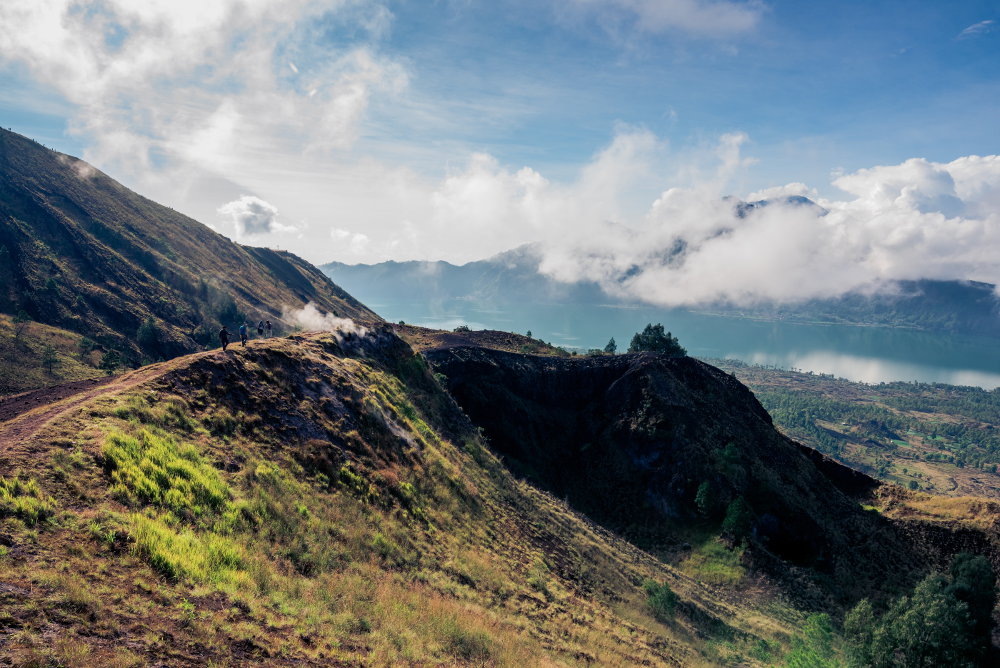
(80,251)
(510,278)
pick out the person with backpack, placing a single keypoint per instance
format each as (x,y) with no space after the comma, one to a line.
(243,334)
(224,337)
(260,329)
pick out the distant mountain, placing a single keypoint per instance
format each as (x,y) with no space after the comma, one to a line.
(507,278)
(511,278)
(81,252)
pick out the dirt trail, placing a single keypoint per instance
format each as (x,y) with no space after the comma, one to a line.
(23,415)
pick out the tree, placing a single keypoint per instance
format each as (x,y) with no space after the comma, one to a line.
(653,339)
(529,333)
(21,321)
(704,499)
(931,627)
(148,337)
(973,583)
(110,361)
(49,358)
(612,347)
(739,519)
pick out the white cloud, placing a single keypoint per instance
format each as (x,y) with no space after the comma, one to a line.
(919,219)
(185,82)
(356,242)
(978,29)
(252,216)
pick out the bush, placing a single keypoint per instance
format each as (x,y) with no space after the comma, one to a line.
(739,519)
(653,339)
(463,328)
(661,599)
(148,337)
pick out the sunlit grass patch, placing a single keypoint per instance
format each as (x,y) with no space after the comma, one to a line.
(713,563)
(181,552)
(172,412)
(156,469)
(24,499)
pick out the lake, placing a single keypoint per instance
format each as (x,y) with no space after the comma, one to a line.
(866,354)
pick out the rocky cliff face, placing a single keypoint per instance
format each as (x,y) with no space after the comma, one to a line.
(631,439)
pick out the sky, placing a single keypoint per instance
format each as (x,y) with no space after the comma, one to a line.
(615,135)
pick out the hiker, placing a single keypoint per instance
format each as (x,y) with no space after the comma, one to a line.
(260,328)
(224,337)
(243,334)
(267,325)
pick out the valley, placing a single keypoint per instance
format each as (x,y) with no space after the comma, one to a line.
(942,439)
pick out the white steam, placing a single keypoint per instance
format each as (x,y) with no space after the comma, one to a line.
(312,319)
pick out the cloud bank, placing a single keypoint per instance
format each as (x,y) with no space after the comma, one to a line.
(918,219)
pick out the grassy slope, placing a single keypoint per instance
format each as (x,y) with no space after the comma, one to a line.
(21,357)
(315,500)
(944,446)
(82,252)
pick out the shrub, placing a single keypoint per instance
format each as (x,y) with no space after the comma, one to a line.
(463,328)
(661,599)
(739,519)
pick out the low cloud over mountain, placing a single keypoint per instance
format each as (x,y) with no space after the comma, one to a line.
(919,219)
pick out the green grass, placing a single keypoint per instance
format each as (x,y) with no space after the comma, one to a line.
(714,563)
(24,500)
(182,552)
(156,469)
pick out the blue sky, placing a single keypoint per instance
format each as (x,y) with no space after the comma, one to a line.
(359,130)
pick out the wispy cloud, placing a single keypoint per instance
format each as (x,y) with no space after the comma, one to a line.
(978,29)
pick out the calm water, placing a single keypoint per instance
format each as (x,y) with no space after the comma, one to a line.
(868,354)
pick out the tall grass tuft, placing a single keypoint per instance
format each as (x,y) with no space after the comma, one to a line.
(24,499)
(155,469)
